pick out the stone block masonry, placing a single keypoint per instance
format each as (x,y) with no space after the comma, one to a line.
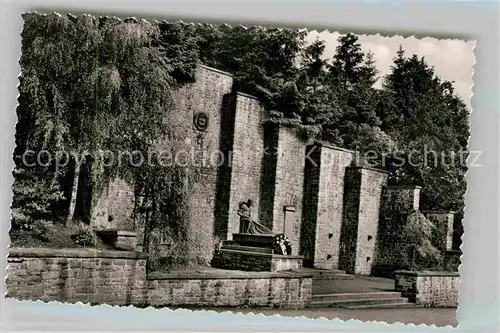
(373,180)
(238,178)
(284,290)
(432,289)
(119,278)
(268,176)
(200,147)
(282,182)
(306,190)
(310,205)
(246,160)
(398,204)
(289,186)
(190,145)
(255,261)
(406,198)
(330,205)
(76,275)
(323,204)
(114,208)
(443,221)
(223,188)
(362,203)
(349,231)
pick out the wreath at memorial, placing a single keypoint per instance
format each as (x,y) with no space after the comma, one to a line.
(282,245)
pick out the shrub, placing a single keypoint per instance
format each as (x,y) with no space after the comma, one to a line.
(419,253)
(83,237)
(33,202)
(201,247)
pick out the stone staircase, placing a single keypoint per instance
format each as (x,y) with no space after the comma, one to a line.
(327,274)
(364,300)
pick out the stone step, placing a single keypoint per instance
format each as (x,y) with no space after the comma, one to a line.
(358,302)
(319,271)
(254,240)
(355,296)
(383,306)
(246,248)
(334,276)
(330,271)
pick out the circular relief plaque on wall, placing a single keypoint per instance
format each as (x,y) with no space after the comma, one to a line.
(201,121)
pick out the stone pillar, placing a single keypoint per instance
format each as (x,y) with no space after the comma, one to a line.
(282,180)
(239,177)
(113,209)
(323,204)
(407,197)
(399,201)
(443,221)
(362,200)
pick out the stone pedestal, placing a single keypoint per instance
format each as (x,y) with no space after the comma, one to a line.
(119,239)
(254,240)
(248,252)
(126,240)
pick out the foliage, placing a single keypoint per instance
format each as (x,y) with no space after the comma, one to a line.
(32,206)
(197,249)
(418,252)
(83,237)
(430,123)
(103,84)
(408,240)
(203,246)
(336,101)
(263,62)
(90,84)
(164,205)
(353,75)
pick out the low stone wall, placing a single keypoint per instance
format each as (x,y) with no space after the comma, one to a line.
(119,278)
(231,288)
(432,289)
(76,275)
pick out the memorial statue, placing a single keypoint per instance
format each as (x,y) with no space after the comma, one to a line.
(247,224)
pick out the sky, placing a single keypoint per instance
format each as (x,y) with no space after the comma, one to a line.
(453,60)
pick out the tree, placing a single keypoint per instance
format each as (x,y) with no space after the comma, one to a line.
(262,61)
(93,84)
(368,71)
(352,75)
(58,86)
(346,63)
(313,66)
(417,251)
(178,48)
(430,123)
